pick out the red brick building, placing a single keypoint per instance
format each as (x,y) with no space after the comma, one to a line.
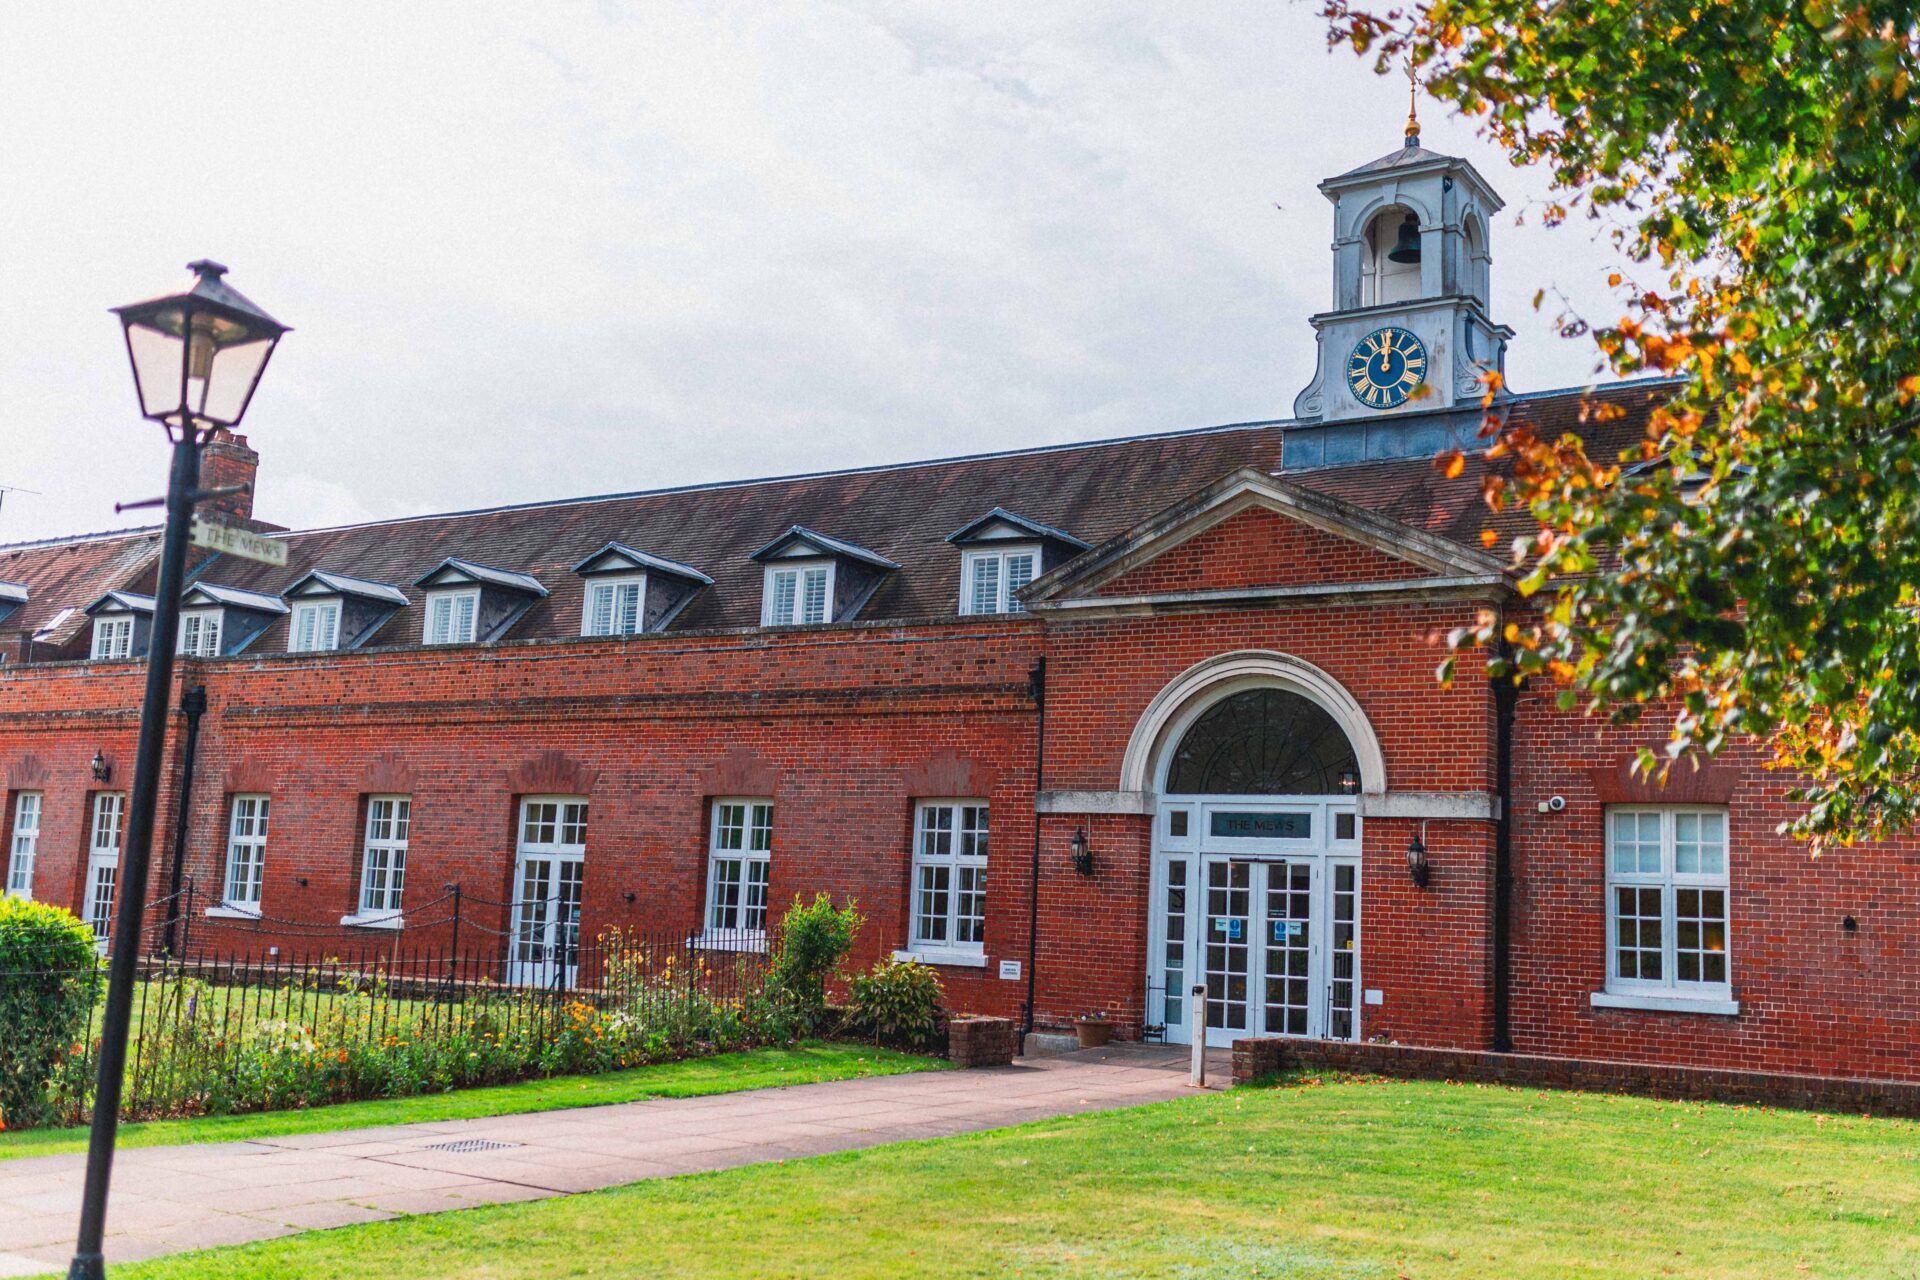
(1082,726)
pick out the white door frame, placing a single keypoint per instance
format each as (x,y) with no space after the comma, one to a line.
(542,927)
(1195,833)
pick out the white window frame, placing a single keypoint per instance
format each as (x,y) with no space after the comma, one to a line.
(1669,991)
(383,863)
(451,598)
(245,871)
(795,614)
(200,633)
(23,848)
(103,854)
(739,857)
(1003,600)
(616,623)
(113,637)
(950,836)
(323,615)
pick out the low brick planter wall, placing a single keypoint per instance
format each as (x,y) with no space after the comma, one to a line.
(1255,1058)
(982,1042)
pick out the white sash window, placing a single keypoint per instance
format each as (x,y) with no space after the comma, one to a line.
(246,853)
(112,638)
(1667,912)
(315,626)
(990,579)
(103,860)
(797,595)
(739,857)
(25,845)
(200,634)
(614,606)
(383,860)
(450,617)
(950,878)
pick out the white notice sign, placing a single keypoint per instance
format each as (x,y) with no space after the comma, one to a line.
(237,542)
(1010,970)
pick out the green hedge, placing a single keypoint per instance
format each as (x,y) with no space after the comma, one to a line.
(49,976)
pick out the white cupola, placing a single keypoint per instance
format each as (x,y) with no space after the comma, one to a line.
(1409,331)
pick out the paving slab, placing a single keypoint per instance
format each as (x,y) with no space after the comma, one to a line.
(167,1199)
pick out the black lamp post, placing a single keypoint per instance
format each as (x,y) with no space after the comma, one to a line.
(197,357)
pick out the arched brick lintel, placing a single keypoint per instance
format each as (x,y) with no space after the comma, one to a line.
(948,774)
(741,772)
(1689,782)
(551,773)
(28,773)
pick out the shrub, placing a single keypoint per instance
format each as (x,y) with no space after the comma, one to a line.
(49,976)
(896,1003)
(814,938)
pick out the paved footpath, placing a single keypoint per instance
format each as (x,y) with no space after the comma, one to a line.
(167,1199)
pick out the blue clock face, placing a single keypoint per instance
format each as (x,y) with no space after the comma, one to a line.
(1386,367)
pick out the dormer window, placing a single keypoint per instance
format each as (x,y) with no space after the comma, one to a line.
(628,592)
(217,620)
(113,638)
(122,622)
(812,579)
(991,579)
(1000,553)
(795,595)
(613,606)
(451,617)
(335,611)
(315,626)
(469,603)
(12,596)
(200,633)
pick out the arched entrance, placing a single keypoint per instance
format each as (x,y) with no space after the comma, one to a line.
(1256,868)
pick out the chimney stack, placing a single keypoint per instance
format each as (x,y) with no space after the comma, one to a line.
(226,460)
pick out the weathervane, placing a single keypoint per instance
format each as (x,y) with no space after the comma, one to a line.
(1413,115)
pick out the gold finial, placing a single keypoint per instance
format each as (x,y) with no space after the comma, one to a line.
(1413,116)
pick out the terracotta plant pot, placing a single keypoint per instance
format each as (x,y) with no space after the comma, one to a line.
(1093,1032)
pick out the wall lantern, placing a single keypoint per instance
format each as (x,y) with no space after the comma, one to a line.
(1082,853)
(1417,866)
(1349,782)
(102,769)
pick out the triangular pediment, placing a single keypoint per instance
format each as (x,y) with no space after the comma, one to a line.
(1251,534)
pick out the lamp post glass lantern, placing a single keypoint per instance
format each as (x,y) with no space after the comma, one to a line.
(197,357)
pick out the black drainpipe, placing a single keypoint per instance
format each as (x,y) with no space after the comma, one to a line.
(194,703)
(1037,690)
(1506,693)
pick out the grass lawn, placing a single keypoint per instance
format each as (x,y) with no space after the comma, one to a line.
(723,1073)
(1347,1180)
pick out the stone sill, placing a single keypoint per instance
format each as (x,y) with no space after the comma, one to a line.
(375,920)
(224,912)
(944,956)
(1664,1004)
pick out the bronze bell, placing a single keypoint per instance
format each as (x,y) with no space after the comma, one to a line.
(1406,247)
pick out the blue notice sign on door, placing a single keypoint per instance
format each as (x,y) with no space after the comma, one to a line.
(1233,928)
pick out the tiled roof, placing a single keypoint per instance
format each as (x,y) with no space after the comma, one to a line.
(903,513)
(1414,492)
(71,573)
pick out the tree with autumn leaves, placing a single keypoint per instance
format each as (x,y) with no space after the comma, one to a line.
(1754,561)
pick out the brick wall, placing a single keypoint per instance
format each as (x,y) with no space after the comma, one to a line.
(1253,1059)
(1260,548)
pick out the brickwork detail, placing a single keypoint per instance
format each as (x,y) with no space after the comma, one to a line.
(1253,1059)
(982,1042)
(1260,548)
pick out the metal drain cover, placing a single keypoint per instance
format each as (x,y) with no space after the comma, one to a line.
(464,1145)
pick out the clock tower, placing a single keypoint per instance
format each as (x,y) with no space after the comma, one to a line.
(1408,334)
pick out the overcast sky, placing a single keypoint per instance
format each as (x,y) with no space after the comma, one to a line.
(542,250)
